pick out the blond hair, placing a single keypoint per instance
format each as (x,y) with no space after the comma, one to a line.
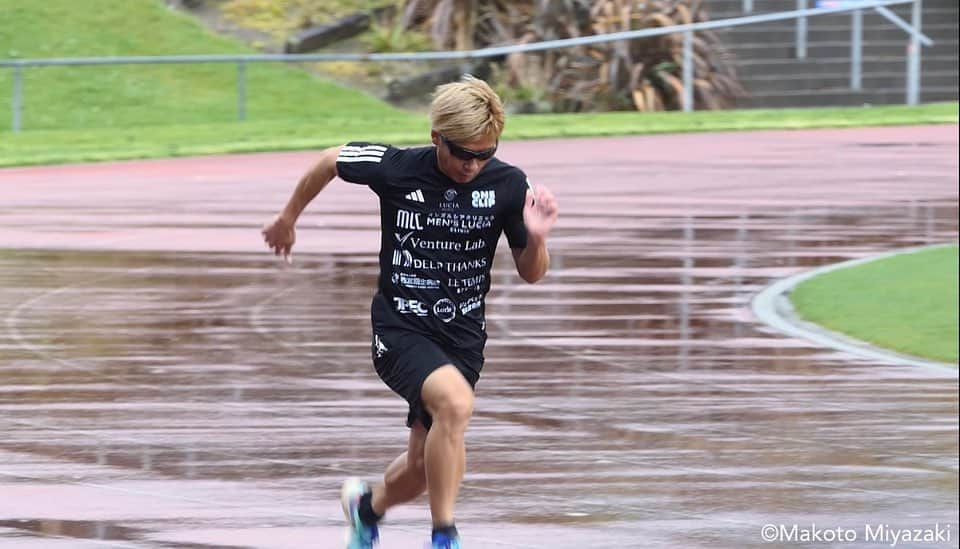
(467,110)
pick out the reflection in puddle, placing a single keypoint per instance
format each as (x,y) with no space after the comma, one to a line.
(640,390)
(72,529)
(100,531)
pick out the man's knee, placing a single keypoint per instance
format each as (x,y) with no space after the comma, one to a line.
(448,397)
(456,410)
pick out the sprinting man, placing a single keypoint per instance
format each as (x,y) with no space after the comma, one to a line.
(442,211)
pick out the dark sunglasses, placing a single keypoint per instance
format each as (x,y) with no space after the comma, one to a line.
(466,154)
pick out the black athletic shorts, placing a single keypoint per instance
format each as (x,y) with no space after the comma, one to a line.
(403,360)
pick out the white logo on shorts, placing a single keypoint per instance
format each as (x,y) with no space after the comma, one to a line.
(381,349)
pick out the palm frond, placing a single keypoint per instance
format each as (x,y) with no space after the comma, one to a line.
(641,74)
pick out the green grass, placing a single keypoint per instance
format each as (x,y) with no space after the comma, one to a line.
(95,113)
(907,303)
(80,98)
(325,127)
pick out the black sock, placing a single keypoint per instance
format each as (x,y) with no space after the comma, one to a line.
(450,530)
(365,510)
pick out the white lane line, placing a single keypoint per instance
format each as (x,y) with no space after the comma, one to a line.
(773,308)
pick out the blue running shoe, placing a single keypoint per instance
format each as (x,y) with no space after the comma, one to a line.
(359,535)
(442,541)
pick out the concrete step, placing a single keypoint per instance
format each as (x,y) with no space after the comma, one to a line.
(842,97)
(765,58)
(735,7)
(781,32)
(870,17)
(831,49)
(875,81)
(930,15)
(839,66)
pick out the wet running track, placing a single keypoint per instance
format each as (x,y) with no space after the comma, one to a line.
(165,383)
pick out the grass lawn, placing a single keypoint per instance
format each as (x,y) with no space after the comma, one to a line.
(327,127)
(77,114)
(907,303)
(80,98)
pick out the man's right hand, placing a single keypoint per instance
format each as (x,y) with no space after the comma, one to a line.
(280,236)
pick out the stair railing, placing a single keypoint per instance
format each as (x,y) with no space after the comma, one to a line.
(827,7)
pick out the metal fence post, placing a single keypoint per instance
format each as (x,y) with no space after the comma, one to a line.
(801,31)
(17,103)
(241,90)
(913,55)
(688,71)
(913,68)
(747,6)
(856,51)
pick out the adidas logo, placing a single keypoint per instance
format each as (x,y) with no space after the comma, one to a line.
(357,153)
(415,196)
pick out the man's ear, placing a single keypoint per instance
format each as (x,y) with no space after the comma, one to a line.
(435,137)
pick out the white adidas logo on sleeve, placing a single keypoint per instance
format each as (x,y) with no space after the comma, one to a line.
(369,153)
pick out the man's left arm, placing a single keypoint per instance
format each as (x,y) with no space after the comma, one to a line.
(539,214)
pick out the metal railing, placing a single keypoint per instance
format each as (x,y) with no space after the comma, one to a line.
(856,24)
(913,29)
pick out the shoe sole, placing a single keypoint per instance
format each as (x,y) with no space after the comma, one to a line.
(350,487)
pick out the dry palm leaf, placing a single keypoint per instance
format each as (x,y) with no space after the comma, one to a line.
(643,74)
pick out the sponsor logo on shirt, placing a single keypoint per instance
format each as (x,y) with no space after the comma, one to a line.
(415,196)
(415,282)
(484,199)
(460,223)
(435,245)
(403,239)
(438,245)
(463,285)
(450,197)
(406,306)
(409,220)
(403,258)
(445,310)
(474,245)
(470,304)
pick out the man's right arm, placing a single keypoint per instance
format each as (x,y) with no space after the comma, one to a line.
(280,234)
(311,184)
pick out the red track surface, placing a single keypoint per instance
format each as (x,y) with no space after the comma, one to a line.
(166,383)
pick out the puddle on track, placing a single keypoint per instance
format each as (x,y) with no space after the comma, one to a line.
(186,399)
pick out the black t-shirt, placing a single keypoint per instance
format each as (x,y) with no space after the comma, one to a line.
(437,238)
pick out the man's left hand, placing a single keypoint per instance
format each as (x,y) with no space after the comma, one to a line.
(540,212)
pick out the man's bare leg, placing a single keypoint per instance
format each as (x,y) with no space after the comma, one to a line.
(449,400)
(405,478)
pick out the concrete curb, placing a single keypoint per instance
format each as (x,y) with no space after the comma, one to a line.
(774,308)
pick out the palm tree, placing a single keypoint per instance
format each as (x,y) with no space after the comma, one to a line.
(642,74)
